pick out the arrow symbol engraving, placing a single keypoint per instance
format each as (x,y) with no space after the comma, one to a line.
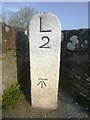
(42,82)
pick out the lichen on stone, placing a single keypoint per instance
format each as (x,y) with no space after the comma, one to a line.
(86,41)
(70,46)
(73,42)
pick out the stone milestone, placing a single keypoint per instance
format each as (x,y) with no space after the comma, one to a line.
(45,44)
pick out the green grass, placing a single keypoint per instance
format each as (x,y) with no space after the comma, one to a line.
(11,97)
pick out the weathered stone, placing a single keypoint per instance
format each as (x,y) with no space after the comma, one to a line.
(73,42)
(70,46)
(75,62)
(45,40)
(9,34)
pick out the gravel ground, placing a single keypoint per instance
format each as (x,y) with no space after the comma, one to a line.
(67,108)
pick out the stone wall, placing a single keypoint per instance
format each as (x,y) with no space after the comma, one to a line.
(9,37)
(75,76)
(9,59)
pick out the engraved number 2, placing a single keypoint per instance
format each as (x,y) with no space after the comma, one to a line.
(44,45)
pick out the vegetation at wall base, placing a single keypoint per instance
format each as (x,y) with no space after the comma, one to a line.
(12,97)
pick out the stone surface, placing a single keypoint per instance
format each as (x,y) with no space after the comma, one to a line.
(45,41)
(75,61)
(73,42)
(9,34)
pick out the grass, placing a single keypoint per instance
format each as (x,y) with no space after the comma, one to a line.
(12,97)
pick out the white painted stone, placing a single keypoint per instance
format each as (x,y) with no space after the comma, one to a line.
(44,62)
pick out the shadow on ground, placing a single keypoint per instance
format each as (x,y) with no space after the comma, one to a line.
(23,64)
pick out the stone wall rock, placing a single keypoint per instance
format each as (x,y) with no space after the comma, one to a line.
(9,37)
(75,76)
